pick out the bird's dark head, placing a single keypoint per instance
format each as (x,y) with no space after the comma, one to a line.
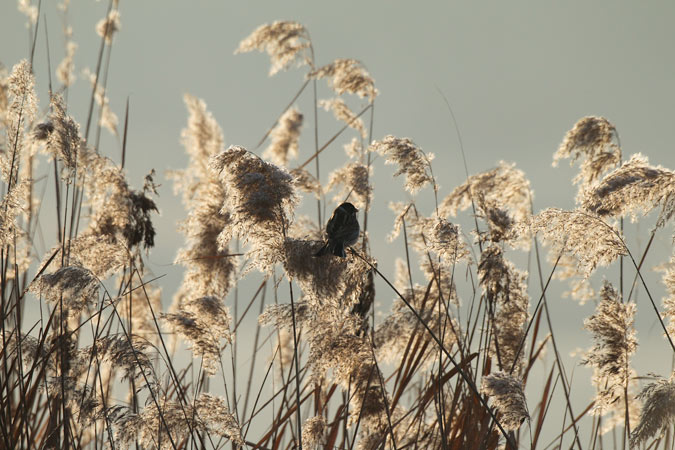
(348,208)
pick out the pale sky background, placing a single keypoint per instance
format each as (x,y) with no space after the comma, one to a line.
(517,74)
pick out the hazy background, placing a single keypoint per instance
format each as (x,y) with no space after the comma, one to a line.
(517,74)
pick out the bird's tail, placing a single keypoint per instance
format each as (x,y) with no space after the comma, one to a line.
(336,248)
(339,250)
(325,249)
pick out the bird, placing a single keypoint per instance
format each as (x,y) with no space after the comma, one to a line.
(342,230)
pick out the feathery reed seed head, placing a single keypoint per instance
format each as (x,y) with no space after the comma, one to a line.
(284,42)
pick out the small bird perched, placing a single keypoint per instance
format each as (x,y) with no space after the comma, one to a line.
(342,230)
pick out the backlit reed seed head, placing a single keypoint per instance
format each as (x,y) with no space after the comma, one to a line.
(209,269)
(505,288)
(393,335)
(62,135)
(580,288)
(217,419)
(635,186)
(347,75)
(354,149)
(306,182)
(4,92)
(412,161)
(592,241)
(443,239)
(206,414)
(658,410)
(669,302)
(508,397)
(591,138)
(442,277)
(306,227)
(202,139)
(403,211)
(117,211)
(102,255)
(85,406)
(128,354)
(615,343)
(284,42)
(30,11)
(144,302)
(20,113)
(30,349)
(501,227)
(204,322)
(11,205)
(370,404)
(284,137)
(75,286)
(336,347)
(281,316)
(504,186)
(108,119)
(108,26)
(342,112)
(260,198)
(285,353)
(65,72)
(312,431)
(354,179)
(335,281)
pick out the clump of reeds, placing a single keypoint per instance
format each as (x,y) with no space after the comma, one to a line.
(447,366)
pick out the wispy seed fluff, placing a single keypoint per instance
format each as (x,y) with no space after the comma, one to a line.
(108,26)
(118,212)
(11,205)
(100,254)
(444,240)
(504,186)
(128,354)
(284,137)
(354,178)
(412,161)
(75,286)
(505,288)
(206,414)
(591,138)
(615,343)
(509,398)
(635,186)
(342,112)
(65,72)
(283,41)
(347,75)
(204,322)
(21,110)
(393,335)
(658,411)
(592,241)
(260,198)
(312,431)
(669,302)
(30,11)
(4,91)
(63,141)
(306,182)
(209,270)
(108,119)
(335,281)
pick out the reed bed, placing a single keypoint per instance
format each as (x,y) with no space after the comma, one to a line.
(109,361)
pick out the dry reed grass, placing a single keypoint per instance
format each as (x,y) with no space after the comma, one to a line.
(440,370)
